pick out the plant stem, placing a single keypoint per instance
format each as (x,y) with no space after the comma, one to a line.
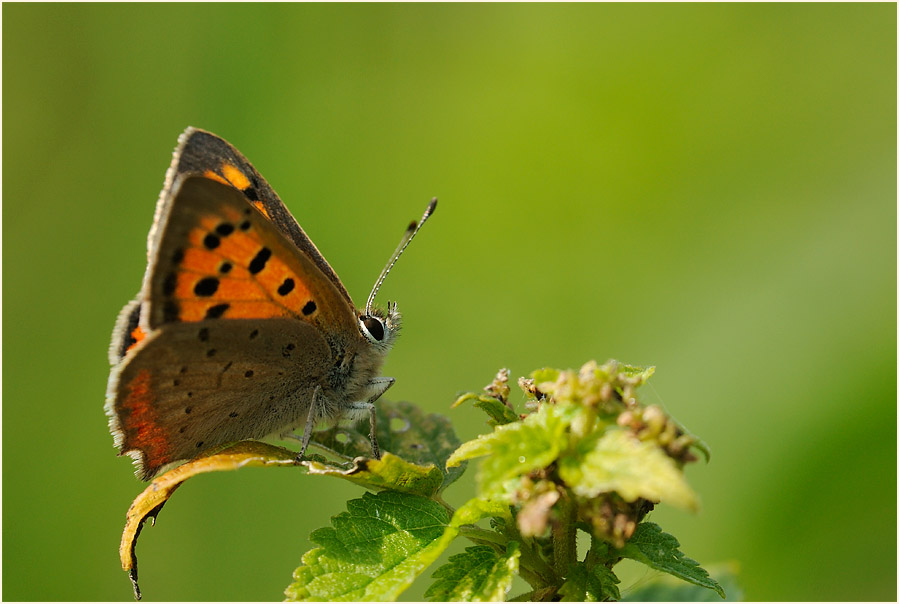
(532,567)
(564,532)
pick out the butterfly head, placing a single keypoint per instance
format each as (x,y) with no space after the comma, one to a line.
(381,327)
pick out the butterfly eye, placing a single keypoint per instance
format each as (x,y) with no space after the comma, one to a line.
(372,328)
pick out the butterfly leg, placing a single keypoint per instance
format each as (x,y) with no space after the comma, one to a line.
(310,422)
(378,386)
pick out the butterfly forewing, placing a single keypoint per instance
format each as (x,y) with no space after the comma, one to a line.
(201,152)
(220,258)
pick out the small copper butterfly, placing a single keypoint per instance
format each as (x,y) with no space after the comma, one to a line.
(241,329)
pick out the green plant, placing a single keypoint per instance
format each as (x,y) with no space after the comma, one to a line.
(584,456)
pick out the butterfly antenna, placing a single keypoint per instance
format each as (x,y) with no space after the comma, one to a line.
(414,227)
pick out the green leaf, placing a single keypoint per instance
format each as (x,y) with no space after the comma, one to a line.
(479,508)
(374,550)
(480,574)
(659,550)
(640,375)
(604,583)
(389,472)
(546,374)
(515,449)
(665,588)
(404,430)
(598,584)
(497,410)
(617,461)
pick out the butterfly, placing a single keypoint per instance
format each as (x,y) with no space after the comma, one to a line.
(241,329)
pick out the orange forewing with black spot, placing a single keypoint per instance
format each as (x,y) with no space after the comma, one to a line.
(220,258)
(201,152)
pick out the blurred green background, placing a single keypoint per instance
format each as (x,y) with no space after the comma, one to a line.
(710,189)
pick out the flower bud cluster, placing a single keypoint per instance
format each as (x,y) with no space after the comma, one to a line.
(612,519)
(652,424)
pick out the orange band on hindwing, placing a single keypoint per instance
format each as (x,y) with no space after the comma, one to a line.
(137,334)
(140,421)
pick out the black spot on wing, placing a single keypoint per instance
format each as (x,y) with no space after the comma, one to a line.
(286,287)
(215,312)
(206,286)
(259,261)
(211,241)
(224,229)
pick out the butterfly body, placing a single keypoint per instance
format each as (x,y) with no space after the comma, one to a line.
(241,329)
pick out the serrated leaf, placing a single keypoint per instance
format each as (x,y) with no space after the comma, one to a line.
(374,550)
(515,449)
(149,503)
(480,574)
(389,472)
(665,588)
(598,584)
(404,430)
(659,550)
(497,410)
(618,462)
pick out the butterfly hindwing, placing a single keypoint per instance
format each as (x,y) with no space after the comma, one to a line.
(192,386)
